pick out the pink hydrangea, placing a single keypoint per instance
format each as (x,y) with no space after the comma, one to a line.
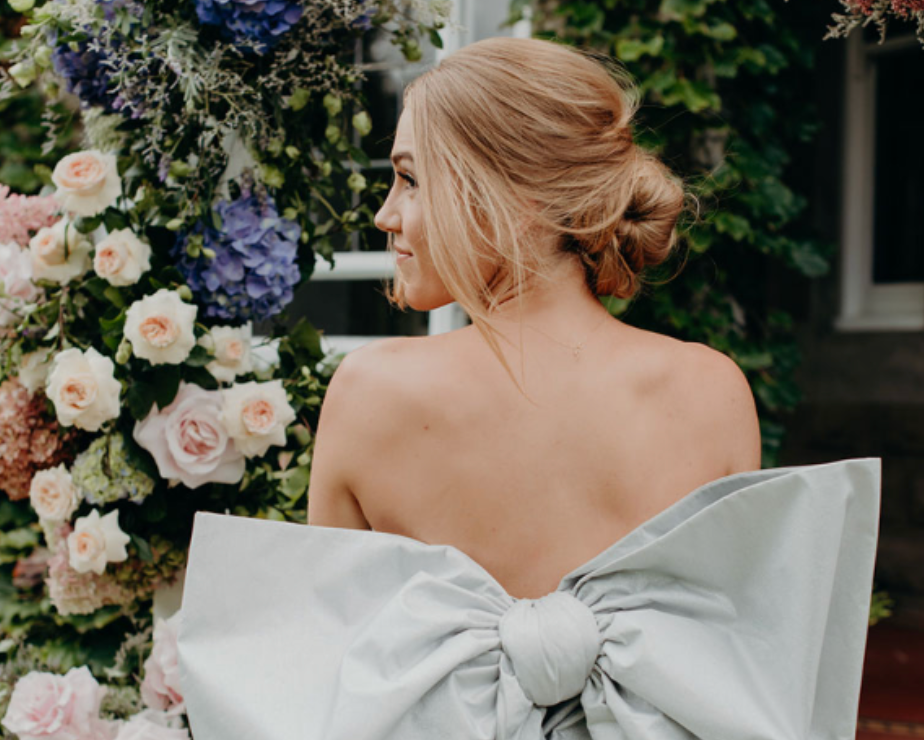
(29,439)
(22,215)
(47,706)
(79,593)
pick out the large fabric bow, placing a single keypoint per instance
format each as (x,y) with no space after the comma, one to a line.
(739,613)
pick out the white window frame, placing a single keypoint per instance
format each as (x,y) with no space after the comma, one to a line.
(866,306)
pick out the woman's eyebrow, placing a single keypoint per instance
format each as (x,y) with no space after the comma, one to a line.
(398,156)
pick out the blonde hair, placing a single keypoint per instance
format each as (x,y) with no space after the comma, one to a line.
(515,137)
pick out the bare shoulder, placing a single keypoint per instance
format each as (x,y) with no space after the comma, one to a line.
(720,398)
(705,393)
(358,407)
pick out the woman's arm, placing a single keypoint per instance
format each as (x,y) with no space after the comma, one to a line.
(331,502)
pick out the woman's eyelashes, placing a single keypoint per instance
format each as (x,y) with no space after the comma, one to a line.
(407,178)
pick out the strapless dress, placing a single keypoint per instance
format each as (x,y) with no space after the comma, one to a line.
(738,613)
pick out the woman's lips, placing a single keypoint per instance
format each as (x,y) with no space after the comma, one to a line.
(402,254)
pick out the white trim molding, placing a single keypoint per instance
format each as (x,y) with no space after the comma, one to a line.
(865,305)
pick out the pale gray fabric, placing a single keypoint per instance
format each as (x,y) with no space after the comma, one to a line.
(739,613)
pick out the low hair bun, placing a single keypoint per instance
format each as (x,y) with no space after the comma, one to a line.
(645,233)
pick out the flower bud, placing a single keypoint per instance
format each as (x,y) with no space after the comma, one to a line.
(184,292)
(28,31)
(412,50)
(302,435)
(175,224)
(331,133)
(293,152)
(23,73)
(332,104)
(362,123)
(178,168)
(299,99)
(43,57)
(272,176)
(356,182)
(326,169)
(290,213)
(22,6)
(209,254)
(124,352)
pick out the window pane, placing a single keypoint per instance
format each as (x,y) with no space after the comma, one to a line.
(355,307)
(899,176)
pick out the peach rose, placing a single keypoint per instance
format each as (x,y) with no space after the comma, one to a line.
(231,346)
(256,416)
(96,541)
(55,260)
(53,707)
(160,328)
(83,389)
(88,182)
(188,441)
(53,495)
(122,258)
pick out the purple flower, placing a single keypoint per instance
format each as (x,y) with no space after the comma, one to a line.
(254,270)
(84,72)
(262,22)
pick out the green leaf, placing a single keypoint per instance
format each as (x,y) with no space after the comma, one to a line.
(114,296)
(809,261)
(304,336)
(143,548)
(166,384)
(436,39)
(199,357)
(295,482)
(140,399)
(631,49)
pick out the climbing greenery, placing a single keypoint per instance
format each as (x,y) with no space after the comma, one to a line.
(724,89)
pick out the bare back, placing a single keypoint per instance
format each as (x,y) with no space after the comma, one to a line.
(446,450)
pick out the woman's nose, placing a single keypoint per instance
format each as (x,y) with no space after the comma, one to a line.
(387,218)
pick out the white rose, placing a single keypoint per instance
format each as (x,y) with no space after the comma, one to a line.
(88,182)
(83,389)
(122,258)
(160,328)
(256,416)
(231,346)
(33,369)
(52,260)
(96,541)
(53,494)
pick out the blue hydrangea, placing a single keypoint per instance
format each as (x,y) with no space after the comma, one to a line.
(84,73)
(262,22)
(254,272)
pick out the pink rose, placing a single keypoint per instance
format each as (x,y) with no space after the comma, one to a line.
(16,281)
(160,688)
(52,707)
(151,725)
(188,440)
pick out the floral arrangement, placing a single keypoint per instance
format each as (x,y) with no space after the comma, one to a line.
(148,369)
(879,13)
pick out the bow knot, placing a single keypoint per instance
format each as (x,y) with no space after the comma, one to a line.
(553,643)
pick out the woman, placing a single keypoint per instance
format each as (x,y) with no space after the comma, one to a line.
(572,538)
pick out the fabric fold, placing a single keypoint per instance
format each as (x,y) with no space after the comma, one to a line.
(738,613)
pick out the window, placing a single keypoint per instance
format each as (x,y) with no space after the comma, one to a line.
(882,281)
